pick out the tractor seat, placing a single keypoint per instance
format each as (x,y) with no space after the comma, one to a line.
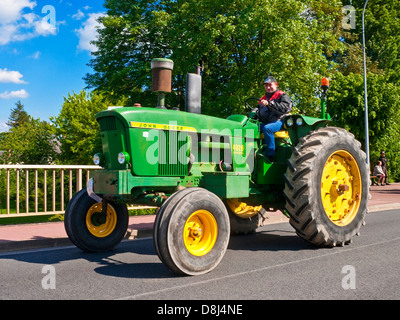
(283,134)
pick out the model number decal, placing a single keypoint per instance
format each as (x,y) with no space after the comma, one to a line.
(238,148)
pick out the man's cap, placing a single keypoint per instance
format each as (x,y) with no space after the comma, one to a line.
(382,152)
(269,79)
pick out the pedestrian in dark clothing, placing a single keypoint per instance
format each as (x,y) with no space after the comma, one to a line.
(384,161)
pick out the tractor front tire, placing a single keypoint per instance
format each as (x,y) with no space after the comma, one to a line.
(90,229)
(191,231)
(326,187)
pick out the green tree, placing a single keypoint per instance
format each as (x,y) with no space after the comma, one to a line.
(31,142)
(77,130)
(382,26)
(18,116)
(240,42)
(346,97)
(346,105)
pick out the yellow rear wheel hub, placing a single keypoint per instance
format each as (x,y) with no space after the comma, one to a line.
(341,188)
(200,232)
(242,209)
(101,225)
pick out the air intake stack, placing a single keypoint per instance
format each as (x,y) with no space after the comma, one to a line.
(162,75)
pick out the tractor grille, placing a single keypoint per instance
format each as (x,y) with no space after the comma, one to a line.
(172,153)
(107,124)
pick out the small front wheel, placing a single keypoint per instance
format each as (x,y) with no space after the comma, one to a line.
(91,229)
(191,232)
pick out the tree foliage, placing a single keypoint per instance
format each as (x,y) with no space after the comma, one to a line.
(346,99)
(346,105)
(29,140)
(77,130)
(240,43)
(18,116)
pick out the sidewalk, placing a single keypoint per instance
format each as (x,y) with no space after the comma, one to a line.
(51,234)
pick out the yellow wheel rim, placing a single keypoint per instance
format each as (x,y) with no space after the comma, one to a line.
(101,225)
(242,209)
(341,188)
(200,232)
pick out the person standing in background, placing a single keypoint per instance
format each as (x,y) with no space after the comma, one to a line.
(384,161)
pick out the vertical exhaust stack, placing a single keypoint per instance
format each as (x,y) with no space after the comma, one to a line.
(193,91)
(162,75)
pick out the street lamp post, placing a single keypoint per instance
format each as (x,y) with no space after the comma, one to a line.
(365,89)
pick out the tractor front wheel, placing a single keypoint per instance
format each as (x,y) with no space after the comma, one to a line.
(326,187)
(191,231)
(91,229)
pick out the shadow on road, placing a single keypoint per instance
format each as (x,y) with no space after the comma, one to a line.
(271,240)
(109,263)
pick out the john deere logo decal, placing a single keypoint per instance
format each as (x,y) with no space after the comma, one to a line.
(173,127)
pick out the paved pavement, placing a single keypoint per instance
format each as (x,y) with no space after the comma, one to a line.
(51,234)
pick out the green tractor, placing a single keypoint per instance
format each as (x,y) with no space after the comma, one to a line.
(209,178)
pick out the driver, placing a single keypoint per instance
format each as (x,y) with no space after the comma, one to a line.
(274,105)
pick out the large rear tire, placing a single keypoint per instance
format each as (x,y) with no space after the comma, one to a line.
(91,230)
(326,187)
(191,231)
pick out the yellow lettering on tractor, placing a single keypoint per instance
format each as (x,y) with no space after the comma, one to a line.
(146,125)
(238,149)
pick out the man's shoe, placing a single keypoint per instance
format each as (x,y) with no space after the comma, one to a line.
(270,158)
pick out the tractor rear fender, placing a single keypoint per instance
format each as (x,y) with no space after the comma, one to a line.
(299,126)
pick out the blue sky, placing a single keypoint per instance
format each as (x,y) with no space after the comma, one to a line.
(44,51)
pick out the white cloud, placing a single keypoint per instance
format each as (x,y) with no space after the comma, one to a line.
(21,94)
(35,56)
(6,33)
(7,76)
(11,10)
(43,27)
(4,127)
(88,32)
(79,15)
(16,25)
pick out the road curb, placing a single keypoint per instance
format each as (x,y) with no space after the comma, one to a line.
(13,246)
(383,207)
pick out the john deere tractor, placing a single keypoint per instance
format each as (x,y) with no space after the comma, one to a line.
(209,178)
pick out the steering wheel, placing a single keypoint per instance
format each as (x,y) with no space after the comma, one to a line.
(248,107)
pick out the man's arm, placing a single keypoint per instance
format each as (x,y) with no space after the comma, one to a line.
(282,105)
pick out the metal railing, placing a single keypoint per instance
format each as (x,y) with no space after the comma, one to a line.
(39,189)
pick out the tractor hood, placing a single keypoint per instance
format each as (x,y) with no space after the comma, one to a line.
(163,119)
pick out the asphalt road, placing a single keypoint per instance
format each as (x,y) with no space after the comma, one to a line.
(274,263)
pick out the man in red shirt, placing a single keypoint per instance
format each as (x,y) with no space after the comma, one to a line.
(274,105)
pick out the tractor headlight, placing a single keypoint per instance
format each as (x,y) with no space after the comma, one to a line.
(123,157)
(299,121)
(98,159)
(289,122)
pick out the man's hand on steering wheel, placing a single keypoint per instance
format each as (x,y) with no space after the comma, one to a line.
(248,107)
